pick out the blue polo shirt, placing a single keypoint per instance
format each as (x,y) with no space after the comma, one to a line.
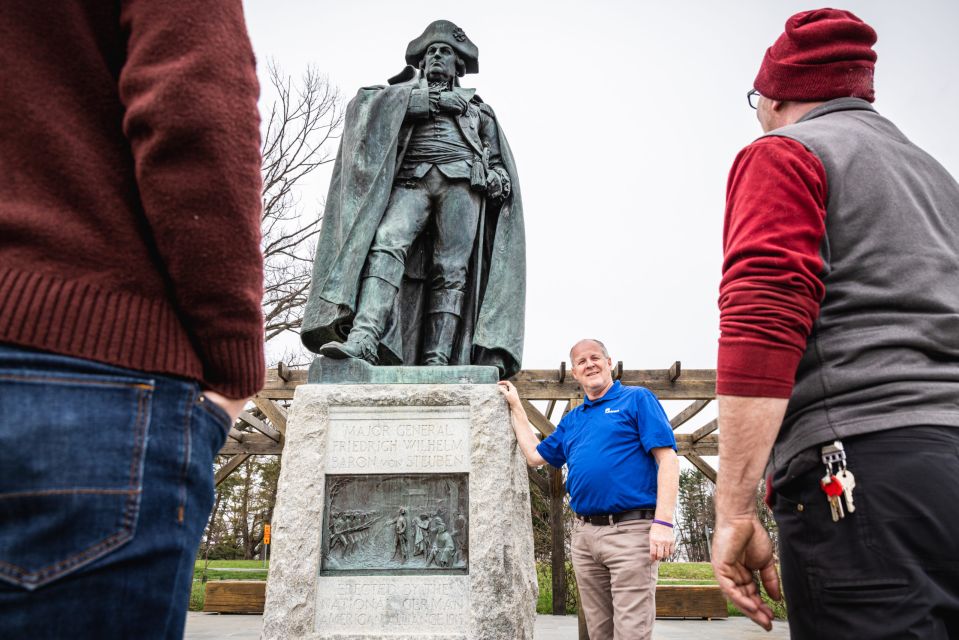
(606,445)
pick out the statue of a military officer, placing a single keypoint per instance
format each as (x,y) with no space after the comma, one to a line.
(421,257)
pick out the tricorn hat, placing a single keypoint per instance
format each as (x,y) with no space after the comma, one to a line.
(448,33)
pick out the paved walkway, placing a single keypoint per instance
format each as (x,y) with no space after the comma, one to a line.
(212,626)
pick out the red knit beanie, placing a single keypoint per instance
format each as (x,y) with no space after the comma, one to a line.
(823,54)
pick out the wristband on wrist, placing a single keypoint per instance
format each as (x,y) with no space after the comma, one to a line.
(664,523)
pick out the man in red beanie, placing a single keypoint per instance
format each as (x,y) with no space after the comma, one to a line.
(130,286)
(839,353)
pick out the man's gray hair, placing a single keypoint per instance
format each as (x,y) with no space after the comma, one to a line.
(599,342)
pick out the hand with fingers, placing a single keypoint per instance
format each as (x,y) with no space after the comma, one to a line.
(233,407)
(662,542)
(508,389)
(742,547)
(452,102)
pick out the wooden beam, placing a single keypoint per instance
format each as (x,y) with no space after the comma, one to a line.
(557,493)
(675,371)
(229,468)
(551,384)
(550,406)
(273,412)
(687,413)
(253,443)
(705,430)
(630,376)
(277,394)
(260,426)
(274,382)
(694,384)
(236,434)
(537,419)
(705,446)
(538,480)
(702,465)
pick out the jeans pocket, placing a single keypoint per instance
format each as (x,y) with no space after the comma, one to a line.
(212,425)
(216,413)
(72,449)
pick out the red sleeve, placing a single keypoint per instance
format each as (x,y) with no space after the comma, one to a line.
(189,87)
(771,288)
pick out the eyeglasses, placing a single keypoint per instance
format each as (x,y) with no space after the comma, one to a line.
(752,97)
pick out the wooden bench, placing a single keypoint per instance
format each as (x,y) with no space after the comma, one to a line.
(672,601)
(690,601)
(235,596)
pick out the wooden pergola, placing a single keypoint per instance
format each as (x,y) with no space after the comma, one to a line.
(554,386)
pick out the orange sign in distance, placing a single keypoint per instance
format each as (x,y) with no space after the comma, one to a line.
(266,534)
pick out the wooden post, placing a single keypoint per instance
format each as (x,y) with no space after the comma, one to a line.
(558,553)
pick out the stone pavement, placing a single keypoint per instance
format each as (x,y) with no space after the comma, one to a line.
(212,626)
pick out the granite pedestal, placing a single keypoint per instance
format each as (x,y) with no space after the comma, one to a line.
(402,513)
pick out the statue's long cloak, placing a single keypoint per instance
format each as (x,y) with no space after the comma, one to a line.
(366,164)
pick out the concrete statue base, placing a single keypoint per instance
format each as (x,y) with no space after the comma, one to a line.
(402,513)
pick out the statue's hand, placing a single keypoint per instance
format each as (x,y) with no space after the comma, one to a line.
(494,184)
(452,102)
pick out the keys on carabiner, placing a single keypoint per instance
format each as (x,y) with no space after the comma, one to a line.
(832,487)
(834,456)
(839,482)
(848,484)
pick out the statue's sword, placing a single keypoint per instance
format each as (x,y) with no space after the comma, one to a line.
(480,237)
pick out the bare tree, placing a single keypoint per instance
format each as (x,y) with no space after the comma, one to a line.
(300,134)
(698,509)
(301,130)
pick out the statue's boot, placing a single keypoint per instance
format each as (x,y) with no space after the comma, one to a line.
(376,302)
(439,338)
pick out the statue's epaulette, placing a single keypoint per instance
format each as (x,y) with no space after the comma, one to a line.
(488,110)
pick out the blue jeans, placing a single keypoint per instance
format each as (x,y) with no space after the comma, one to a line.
(106,484)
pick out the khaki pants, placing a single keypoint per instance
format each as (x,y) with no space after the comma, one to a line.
(616,578)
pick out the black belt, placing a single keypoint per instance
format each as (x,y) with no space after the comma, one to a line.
(613,518)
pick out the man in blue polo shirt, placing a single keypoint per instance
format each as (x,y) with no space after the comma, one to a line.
(622,475)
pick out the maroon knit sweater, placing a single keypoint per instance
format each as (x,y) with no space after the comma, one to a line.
(130,187)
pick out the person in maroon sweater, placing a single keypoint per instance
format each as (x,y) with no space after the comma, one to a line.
(839,353)
(130,289)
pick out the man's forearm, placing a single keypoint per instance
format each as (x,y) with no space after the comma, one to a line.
(747,431)
(667,486)
(525,437)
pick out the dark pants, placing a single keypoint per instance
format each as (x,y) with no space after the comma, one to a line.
(891,568)
(106,484)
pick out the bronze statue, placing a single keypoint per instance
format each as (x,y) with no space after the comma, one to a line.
(421,257)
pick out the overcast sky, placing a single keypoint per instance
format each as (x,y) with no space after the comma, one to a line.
(624,118)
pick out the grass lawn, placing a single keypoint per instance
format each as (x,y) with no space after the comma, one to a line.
(233,564)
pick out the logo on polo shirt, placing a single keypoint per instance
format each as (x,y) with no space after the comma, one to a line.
(608,410)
